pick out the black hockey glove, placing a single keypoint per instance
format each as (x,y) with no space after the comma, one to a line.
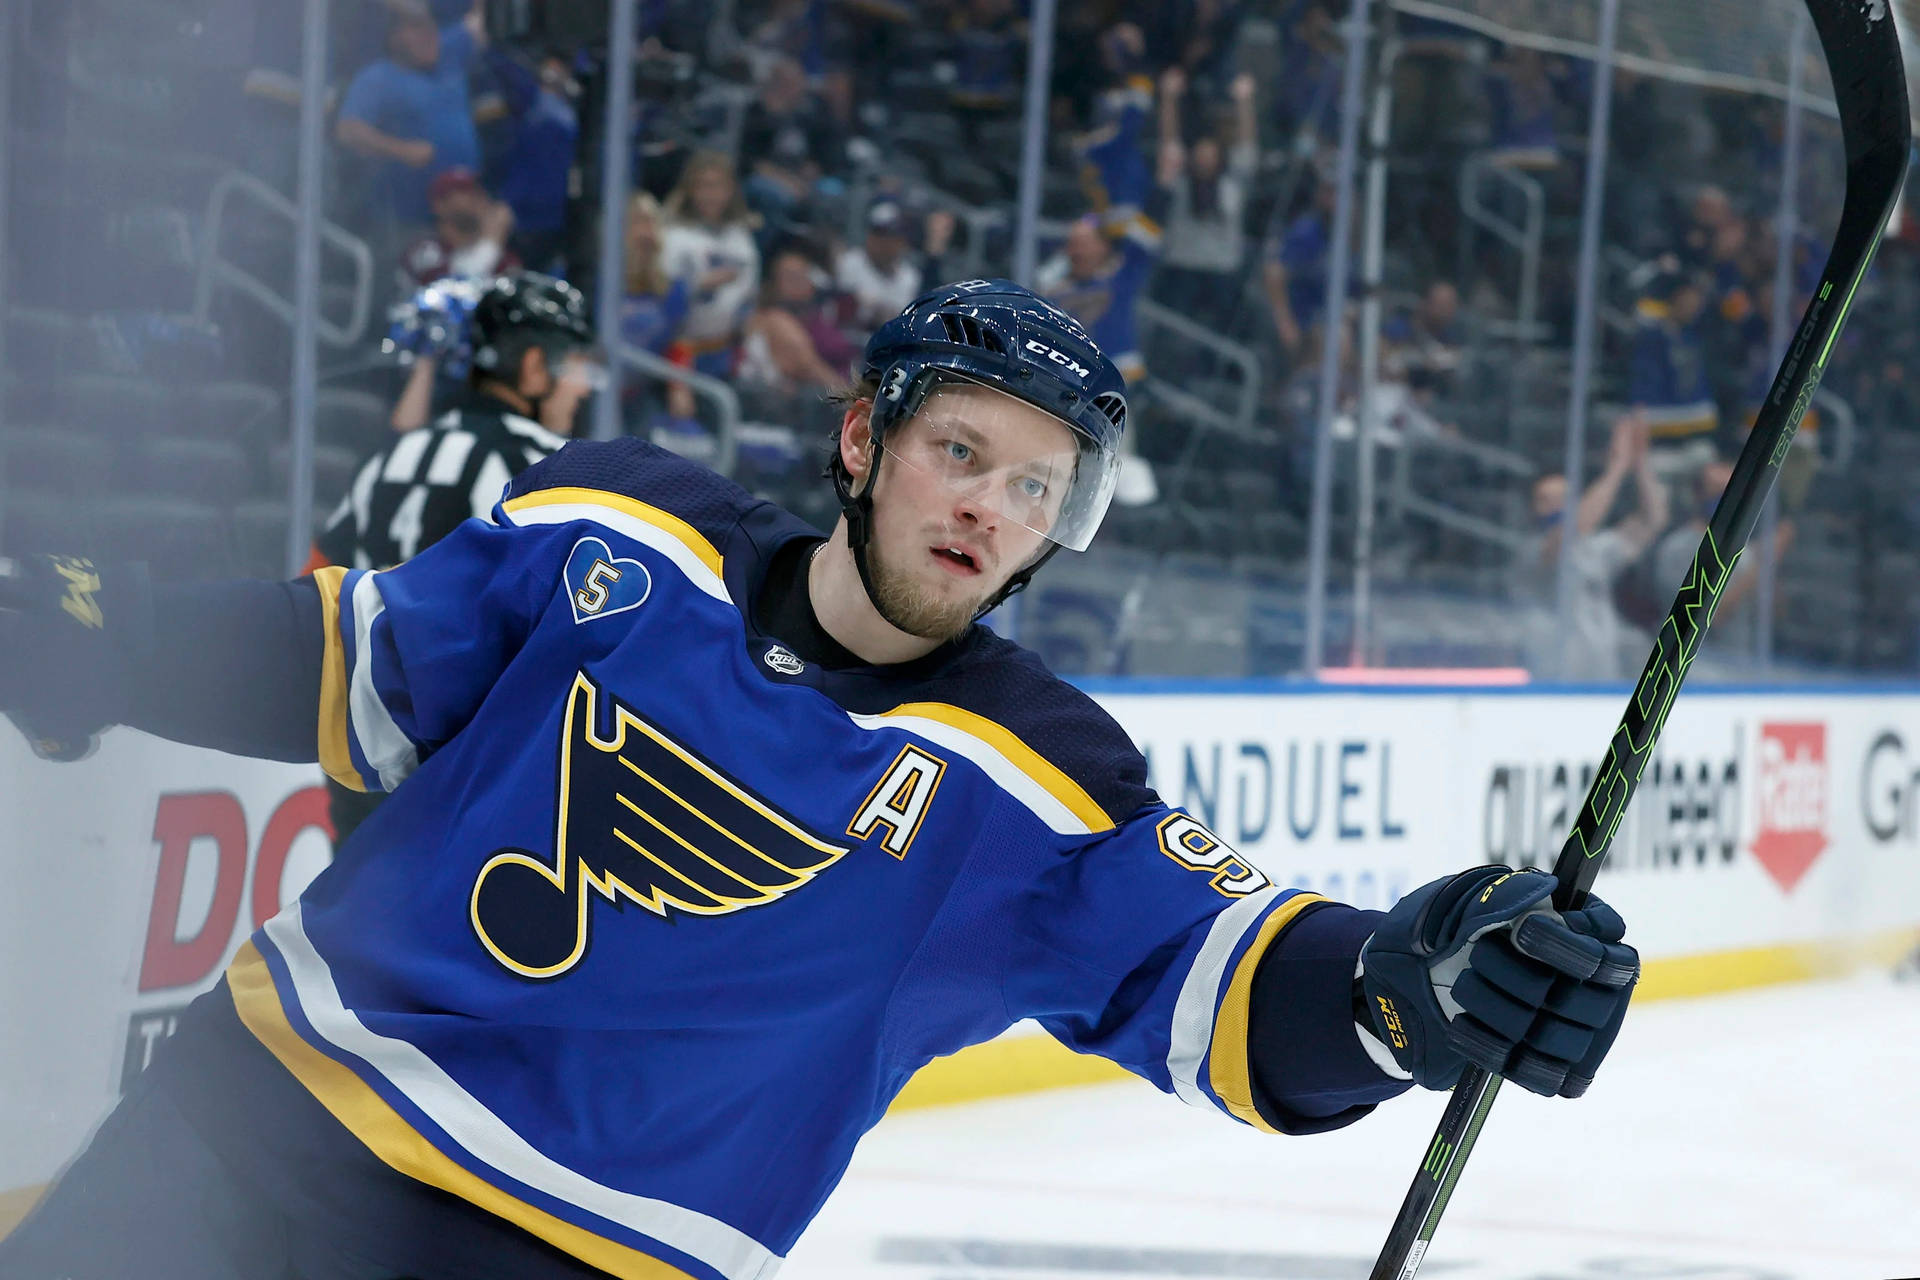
(64,631)
(1480,968)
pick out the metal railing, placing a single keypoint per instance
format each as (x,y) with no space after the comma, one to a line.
(724,399)
(1239,415)
(1403,501)
(1523,237)
(218,272)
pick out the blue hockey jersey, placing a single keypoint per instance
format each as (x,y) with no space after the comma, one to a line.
(665,915)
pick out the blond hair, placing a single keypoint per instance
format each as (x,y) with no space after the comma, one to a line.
(646,278)
(679,205)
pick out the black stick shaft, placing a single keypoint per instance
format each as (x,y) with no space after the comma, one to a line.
(1863,54)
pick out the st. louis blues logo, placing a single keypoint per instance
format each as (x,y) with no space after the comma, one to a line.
(600,584)
(644,819)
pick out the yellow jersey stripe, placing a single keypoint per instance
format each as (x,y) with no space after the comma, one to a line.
(1041,770)
(369,1118)
(1227,1063)
(334,756)
(670,524)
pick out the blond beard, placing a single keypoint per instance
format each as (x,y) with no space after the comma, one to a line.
(912,607)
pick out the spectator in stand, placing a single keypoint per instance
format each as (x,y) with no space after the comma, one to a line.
(709,240)
(653,309)
(1423,346)
(469,236)
(656,301)
(1667,380)
(1600,644)
(1295,272)
(790,148)
(989,54)
(1097,280)
(1308,90)
(1732,324)
(1673,558)
(544,132)
(824,39)
(1709,212)
(1206,195)
(1520,93)
(880,276)
(1114,169)
(792,343)
(412,109)
(1197,36)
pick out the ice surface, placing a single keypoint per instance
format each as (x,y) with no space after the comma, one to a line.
(1771,1134)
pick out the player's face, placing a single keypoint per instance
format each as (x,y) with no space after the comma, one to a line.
(971,483)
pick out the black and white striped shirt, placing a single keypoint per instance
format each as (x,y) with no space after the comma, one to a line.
(415,491)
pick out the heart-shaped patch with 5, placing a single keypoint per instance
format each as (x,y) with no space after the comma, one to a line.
(600,583)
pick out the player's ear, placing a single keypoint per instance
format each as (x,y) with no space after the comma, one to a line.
(856,439)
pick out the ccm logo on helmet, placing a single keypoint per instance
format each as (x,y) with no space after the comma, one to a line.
(1068,362)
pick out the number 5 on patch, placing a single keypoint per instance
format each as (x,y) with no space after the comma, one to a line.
(592,597)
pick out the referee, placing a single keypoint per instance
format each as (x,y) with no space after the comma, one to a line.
(531,339)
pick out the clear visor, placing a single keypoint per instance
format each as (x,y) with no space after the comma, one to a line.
(1013,462)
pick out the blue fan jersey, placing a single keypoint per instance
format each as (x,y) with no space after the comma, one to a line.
(665,915)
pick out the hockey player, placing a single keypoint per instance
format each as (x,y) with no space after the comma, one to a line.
(709,833)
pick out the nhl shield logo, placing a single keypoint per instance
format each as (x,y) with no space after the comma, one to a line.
(783,660)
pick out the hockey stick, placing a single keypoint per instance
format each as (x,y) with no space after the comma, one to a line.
(1869,88)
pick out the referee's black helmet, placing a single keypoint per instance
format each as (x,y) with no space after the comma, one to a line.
(522,310)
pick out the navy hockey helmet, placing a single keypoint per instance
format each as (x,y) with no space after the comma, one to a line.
(526,309)
(1000,335)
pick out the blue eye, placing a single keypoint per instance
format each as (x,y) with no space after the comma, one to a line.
(959,452)
(1033,487)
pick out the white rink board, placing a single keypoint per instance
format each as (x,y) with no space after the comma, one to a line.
(133,876)
(1761,819)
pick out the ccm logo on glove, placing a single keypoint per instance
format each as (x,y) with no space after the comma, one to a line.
(1479,968)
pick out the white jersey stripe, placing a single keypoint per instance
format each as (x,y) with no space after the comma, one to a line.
(1009,777)
(389,752)
(488,1138)
(1194,1012)
(630,526)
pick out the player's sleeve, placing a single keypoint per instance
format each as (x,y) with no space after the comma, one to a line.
(1148,947)
(411,652)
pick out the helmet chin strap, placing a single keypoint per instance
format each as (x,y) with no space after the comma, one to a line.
(858,509)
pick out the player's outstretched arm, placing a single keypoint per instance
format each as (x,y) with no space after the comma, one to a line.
(1479,968)
(230,665)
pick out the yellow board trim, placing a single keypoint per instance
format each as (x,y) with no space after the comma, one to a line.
(369,1118)
(334,756)
(1228,1065)
(667,523)
(1021,756)
(16,1204)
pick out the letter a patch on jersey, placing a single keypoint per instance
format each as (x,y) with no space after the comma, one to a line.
(899,804)
(642,819)
(600,585)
